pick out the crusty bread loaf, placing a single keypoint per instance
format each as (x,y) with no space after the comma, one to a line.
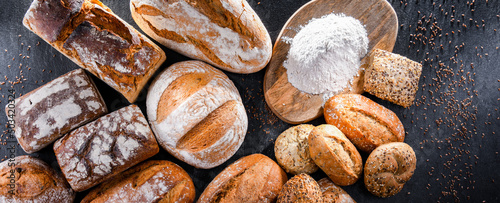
(335,154)
(225,33)
(333,193)
(392,77)
(292,150)
(92,36)
(254,178)
(388,168)
(366,123)
(105,147)
(28,179)
(301,188)
(150,181)
(196,114)
(52,110)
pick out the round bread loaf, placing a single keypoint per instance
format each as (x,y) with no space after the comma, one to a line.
(333,193)
(292,150)
(196,114)
(301,188)
(335,154)
(388,168)
(28,179)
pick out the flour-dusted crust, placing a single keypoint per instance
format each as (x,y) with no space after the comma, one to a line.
(225,33)
(107,146)
(333,193)
(52,110)
(196,114)
(292,150)
(92,36)
(35,181)
(301,188)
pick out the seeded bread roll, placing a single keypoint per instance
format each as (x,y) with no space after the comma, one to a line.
(254,178)
(196,114)
(333,193)
(392,77)
(92,36)
(28,179)
(292,150)
(105,147)
(366,123)
(150,181)
(388,168)
(335,154)
(301,188)
(52,110)
(225,33)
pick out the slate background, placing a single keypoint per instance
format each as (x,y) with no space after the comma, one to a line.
(457,156)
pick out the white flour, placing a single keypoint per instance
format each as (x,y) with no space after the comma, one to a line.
(325,55)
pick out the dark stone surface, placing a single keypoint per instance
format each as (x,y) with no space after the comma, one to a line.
(453,127)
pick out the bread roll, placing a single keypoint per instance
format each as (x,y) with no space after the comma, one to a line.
(254,178)
(52,110)
(335,154)
(333,193)
(196,114)
(301,188)
(292,150)
(105,147)
(366,123)
(28,179)
(388,168)
(225,33)
(150,181)
(92,36)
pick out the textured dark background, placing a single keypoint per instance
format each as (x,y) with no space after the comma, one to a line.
(453,126)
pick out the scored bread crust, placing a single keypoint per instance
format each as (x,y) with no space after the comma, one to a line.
(333,193)
(292,150)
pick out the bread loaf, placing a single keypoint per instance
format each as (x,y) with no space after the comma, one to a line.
(335,154)
(28,179)
(292,150)
(105,147)
(254,178)
(52,110)
(196,114)
(388,168)
(301,188)
(92,36)
(366,123)
(151,181)
(225,33)
(333,193)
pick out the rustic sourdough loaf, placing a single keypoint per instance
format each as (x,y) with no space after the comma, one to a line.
(301,188)
(292,150)
(196,114)
(225,33)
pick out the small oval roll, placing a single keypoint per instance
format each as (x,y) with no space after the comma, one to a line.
(366,123)
(301,188)
(292,150)
(335,155)
(333,193)
(388,168)
(150,181)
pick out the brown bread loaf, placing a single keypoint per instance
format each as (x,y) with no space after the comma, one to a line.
(366,123)
(52,110)
(150,181)
(333,193)
(254,178)
(292,150)
(92,36)
(301,188)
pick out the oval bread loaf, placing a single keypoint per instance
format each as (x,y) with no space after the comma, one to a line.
(366,123)
(301,188)
(254,178)
(292,150)
(225,33)
(196,114)
(333,193)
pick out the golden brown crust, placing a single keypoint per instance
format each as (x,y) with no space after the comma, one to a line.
(366,123)
(301,188)
(333,193)
(292,150)
(335,154)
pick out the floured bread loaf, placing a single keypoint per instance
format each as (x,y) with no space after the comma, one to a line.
(196,114)
(225,33)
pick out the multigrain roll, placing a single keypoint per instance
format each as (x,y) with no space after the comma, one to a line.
(150,181)
(335,154)
(333,193)
(301,188)
(366,123)
(254,178)
(388,168)
(28,179)
(292,150)
(197,114)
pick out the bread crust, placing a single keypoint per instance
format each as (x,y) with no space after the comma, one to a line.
(292,150)
(333,193)
(301,188)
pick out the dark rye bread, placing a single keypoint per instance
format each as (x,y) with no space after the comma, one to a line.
(92,36)
(301,188)
(52,110)
(254,178)
(32,180)
(105,147)
(150,181)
